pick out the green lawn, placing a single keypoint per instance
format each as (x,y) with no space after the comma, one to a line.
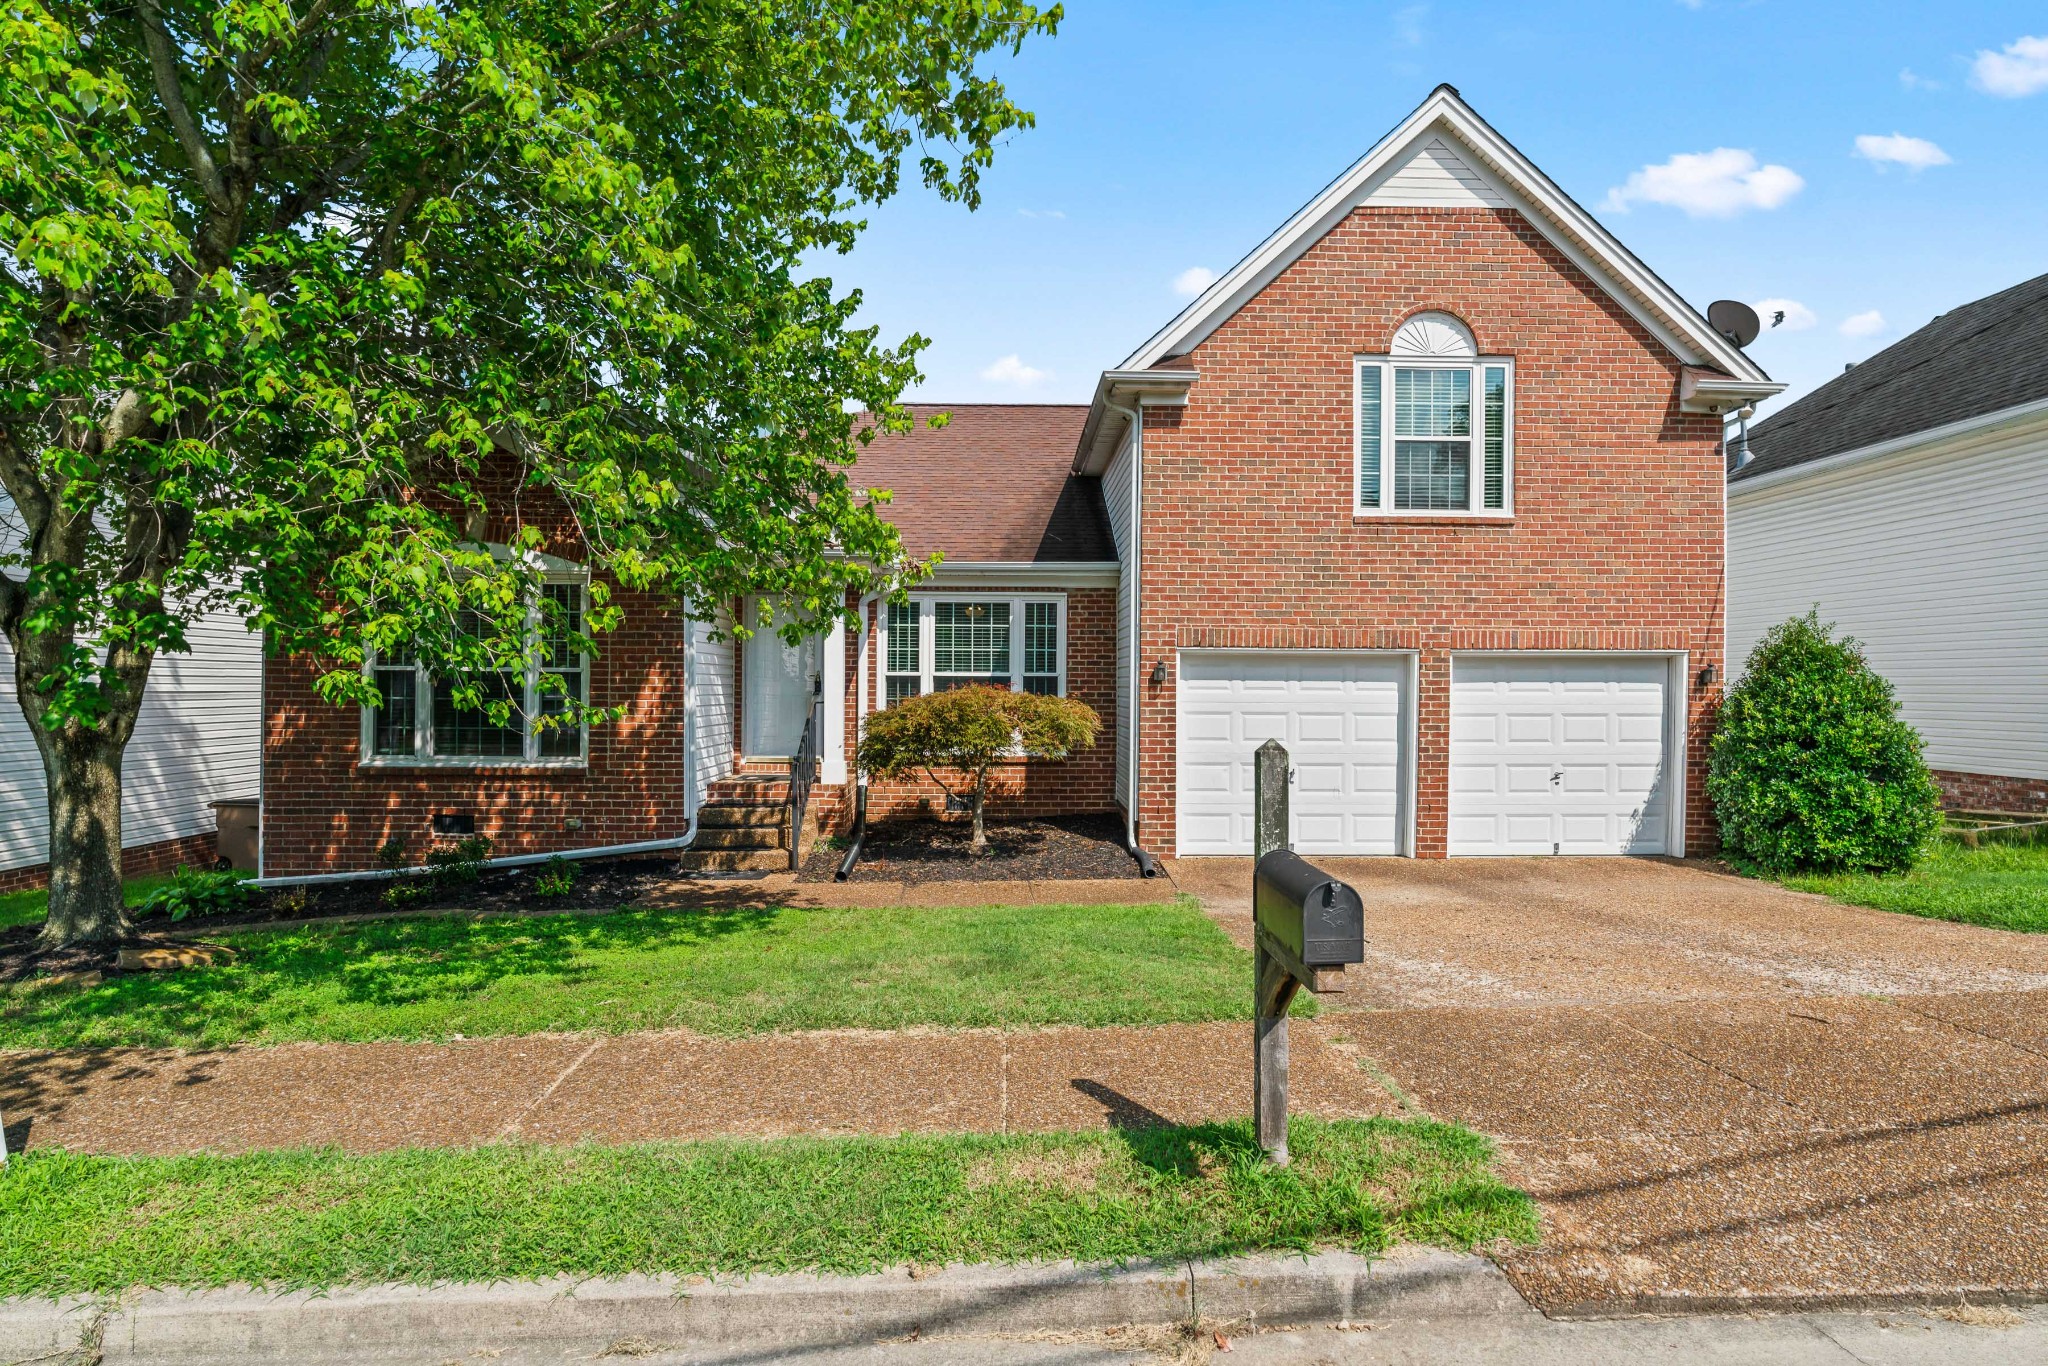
(721,973)
(29,908)
(2001,885)
(100,1224)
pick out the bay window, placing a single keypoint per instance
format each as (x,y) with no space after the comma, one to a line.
(934,642)
(1435,425)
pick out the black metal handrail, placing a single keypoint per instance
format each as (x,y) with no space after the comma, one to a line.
(803,771)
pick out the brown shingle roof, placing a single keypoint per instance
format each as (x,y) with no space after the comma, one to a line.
(992,484)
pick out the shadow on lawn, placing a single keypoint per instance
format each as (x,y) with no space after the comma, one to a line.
(373,963)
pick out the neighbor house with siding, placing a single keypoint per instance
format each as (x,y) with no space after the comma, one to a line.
(195,743)
(1429,487)
(1903,499)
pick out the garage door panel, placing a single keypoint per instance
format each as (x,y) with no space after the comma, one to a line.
(1314,729)
(1341,718)
(1575,749)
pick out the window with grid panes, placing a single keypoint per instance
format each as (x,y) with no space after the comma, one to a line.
(934,643)
(420,719)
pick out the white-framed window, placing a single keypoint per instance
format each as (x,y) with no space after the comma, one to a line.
(1435,425)
(946,640)
(420,723)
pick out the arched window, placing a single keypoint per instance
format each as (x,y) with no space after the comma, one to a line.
(420,722)
(1435,425)
(1436,335)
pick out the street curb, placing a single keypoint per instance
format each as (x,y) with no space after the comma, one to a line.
(797,1310)
(44,1328)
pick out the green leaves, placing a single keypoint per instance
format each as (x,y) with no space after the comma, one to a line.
(1812,769)
(291,300)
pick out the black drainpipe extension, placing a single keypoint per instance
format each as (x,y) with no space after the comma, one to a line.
(860,832)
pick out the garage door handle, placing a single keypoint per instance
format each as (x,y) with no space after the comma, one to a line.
(1557,777)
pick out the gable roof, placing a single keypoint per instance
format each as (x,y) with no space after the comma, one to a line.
(991,485)
(1983,358)
(1445,148)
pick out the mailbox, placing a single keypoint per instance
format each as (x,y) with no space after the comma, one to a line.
(1318,919)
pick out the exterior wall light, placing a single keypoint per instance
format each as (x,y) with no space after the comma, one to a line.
(1710,675)
(1159,673)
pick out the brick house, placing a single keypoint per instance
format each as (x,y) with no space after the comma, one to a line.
(1428,486)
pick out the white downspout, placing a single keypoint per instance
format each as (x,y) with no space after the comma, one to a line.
(1136,417)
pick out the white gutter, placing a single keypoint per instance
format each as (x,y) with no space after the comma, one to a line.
(1136,417)
(682,841)
(1047,573)
(1982,422)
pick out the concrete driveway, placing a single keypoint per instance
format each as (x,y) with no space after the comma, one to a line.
(1723,1093)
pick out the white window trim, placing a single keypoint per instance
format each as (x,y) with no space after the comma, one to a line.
(926,637)
(1475,507)
(422,755)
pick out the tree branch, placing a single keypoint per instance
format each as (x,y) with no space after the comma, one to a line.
(163,64)
(18,476)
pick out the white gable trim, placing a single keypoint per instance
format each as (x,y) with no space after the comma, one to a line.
(1504,171)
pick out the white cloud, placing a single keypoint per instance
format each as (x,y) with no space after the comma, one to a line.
(1408,24)
(2021,69)
(1011,369)
(1717,184)
(1915,153)
(1913,80)
(1798,317)
(1041,213)
(1193,281)
(1863,324)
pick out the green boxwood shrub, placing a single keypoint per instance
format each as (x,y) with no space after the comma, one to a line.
(1813,771)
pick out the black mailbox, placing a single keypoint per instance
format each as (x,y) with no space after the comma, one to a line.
(1318,919)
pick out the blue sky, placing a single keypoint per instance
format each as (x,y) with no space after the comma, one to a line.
(1718,139)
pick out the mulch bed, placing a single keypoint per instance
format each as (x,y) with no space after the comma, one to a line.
(1019,851)
(600,885)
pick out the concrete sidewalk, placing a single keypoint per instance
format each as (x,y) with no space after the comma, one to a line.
(566,1088)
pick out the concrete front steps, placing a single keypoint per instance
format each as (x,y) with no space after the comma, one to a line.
(743,825)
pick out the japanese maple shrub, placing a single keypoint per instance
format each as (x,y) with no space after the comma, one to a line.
(1812,769)
(963,733)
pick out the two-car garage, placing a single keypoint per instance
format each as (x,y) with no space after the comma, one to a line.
(1548,753)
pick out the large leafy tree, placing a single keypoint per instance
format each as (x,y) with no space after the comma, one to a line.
(284,278)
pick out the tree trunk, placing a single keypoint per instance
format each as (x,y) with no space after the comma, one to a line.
(979,844)
(84,776)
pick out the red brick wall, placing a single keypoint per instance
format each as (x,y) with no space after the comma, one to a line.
(189,851)
(324,811)
(1083,784)
(1991,792)
(1249,536)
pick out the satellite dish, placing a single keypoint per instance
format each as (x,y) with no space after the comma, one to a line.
(1737,322)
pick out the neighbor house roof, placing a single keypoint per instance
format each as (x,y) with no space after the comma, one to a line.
(1982,358)
(991,485)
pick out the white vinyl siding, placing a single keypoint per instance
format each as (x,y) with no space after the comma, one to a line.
(1435,176)
(1936,560)
(198,740)
(1116,496)
(712,735)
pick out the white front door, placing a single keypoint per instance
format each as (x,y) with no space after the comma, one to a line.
(778,680)
(1342,717)
(1559,754)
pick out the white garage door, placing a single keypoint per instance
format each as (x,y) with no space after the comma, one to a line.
(1559,755)
(1341,717)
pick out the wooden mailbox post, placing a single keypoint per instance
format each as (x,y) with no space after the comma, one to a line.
(1307,928)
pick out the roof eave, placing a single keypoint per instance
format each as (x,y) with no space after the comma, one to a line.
(1642,288)
(1707,391)
(1120,389)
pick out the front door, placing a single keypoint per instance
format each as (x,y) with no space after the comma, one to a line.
(779,679)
